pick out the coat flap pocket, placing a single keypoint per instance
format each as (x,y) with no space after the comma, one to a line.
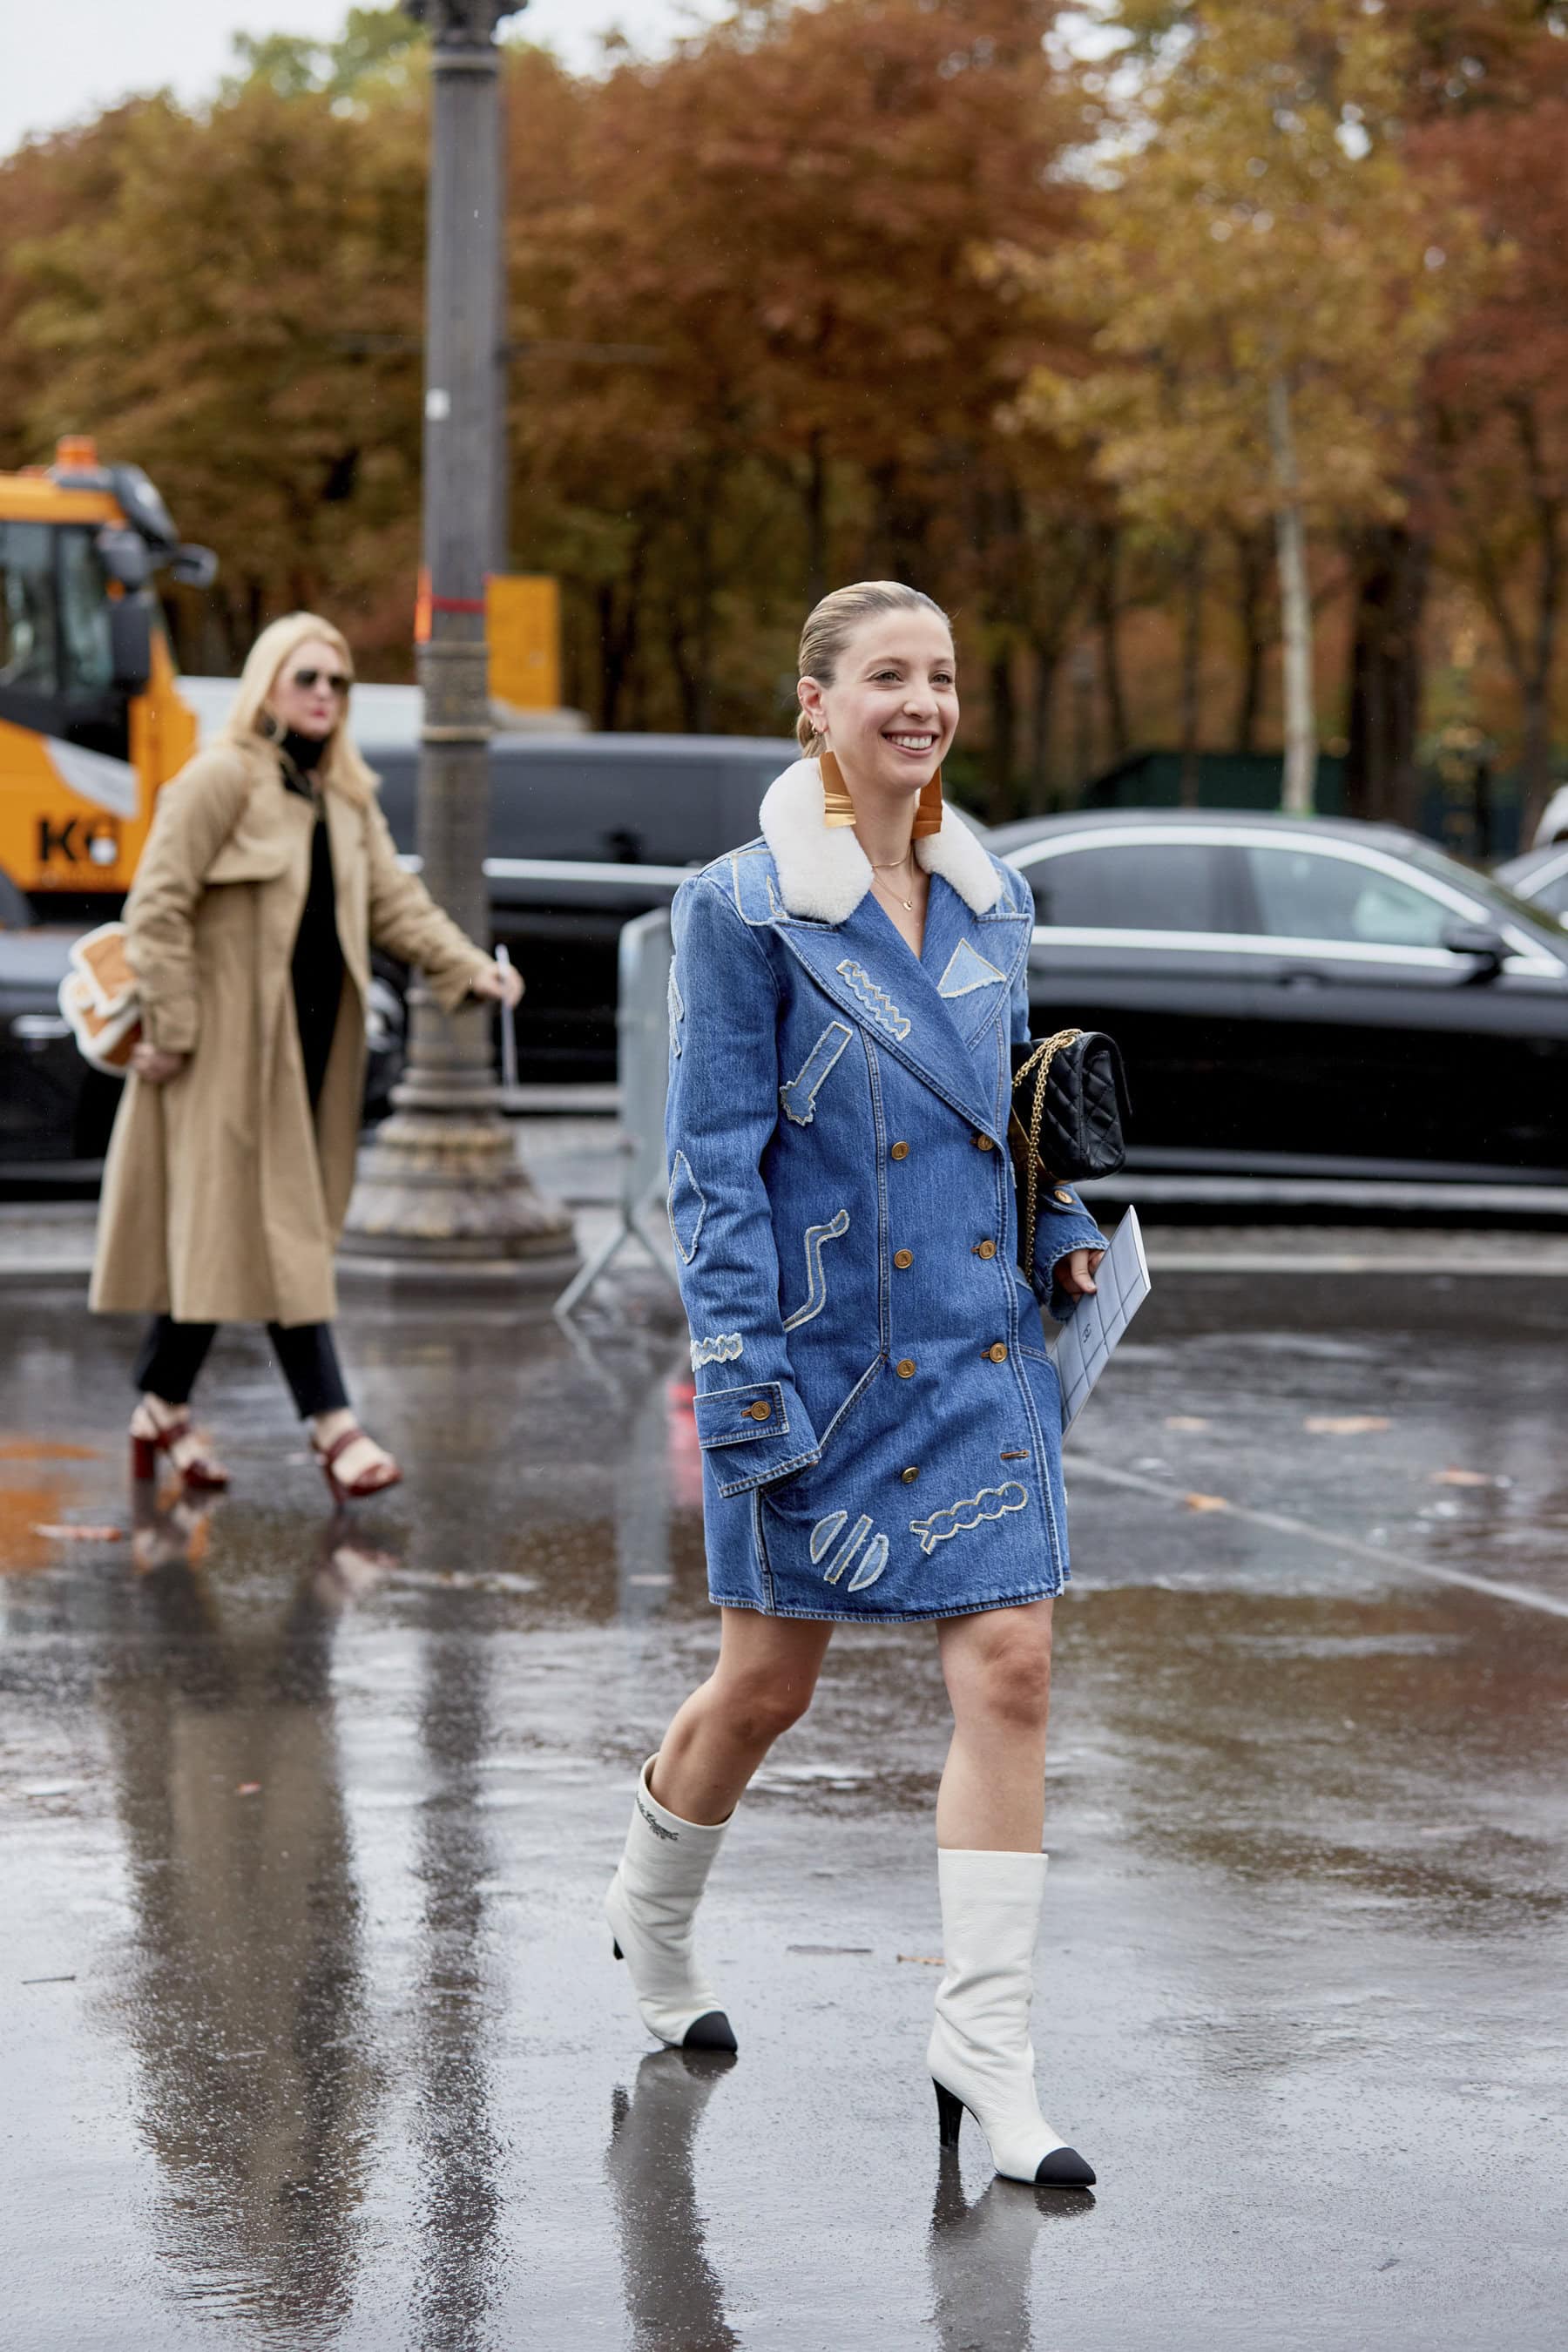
(248,861)
(730,1416)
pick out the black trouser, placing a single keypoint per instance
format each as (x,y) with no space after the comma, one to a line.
(174,1353)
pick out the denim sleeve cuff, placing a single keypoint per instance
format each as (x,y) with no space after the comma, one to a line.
(759,1431)
(1056,1242)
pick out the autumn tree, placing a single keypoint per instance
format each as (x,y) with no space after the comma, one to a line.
(784,220)
(1264,284)
(1499,394)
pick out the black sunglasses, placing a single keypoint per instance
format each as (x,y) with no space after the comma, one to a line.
(334,677)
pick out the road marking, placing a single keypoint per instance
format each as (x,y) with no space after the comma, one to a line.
(1306,1262)
(1280,1523)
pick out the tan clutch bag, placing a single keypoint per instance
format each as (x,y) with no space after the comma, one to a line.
(97,997)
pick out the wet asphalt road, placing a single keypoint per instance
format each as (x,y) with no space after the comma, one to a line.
(311,2032)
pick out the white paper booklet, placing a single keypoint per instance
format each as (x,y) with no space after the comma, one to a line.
(1087,1340)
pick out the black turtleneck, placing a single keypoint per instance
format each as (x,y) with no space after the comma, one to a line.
(317,962)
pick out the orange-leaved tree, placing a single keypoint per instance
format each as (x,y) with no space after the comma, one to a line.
(1265,282)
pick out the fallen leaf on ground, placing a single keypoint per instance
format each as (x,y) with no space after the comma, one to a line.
(923,1959)
(1461,1478)
(248,1789)
(1205,1502)
(1345,1424)
(1192,1420)
(61,1533)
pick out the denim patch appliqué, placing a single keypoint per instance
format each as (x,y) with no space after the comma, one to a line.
(877,1003)
(797,1099)
(815,1280)
(967,970)
(724,1349)
(991,1503)
(873,1559)
(688,1207)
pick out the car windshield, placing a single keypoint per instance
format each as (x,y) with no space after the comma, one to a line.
(1534,921)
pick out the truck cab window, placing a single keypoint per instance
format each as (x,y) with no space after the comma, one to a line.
(29,648)
(86,655)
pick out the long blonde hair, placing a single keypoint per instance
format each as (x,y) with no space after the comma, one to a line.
(341,769)
(830,626)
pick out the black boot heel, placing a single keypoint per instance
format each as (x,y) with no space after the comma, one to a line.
(949,2114)
(617,1949)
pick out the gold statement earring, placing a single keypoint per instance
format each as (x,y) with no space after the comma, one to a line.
(928,813)
(838,808)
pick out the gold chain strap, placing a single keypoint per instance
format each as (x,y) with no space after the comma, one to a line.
(1039,1065)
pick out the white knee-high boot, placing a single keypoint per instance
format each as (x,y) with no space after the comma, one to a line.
(650,1906)
(980,2053)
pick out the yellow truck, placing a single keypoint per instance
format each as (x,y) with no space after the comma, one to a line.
(90,721)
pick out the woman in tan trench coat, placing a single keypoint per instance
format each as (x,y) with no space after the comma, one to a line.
(268,876)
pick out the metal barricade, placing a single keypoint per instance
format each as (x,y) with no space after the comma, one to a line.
(642,1068)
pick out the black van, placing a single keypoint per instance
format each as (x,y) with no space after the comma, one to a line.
(585,831)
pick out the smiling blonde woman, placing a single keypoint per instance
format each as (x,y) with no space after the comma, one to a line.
(268,876)
(879,1421)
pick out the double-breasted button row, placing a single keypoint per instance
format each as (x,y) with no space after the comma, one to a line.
(983,1143)
(898,1152)
(905,1368)
(985,1249)
(903,1260)
(998,1351)
(911,1475)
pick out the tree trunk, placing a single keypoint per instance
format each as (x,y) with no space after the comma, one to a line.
(1042,714)
(1191,662)
(1252,569)
(1003,728)
(1107,614)
(816,521)
(1295,608)
(1391,567)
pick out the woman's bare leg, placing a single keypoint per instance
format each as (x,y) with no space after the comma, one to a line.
(998,1668)
(763,1683)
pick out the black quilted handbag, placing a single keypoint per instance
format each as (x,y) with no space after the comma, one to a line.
(1070,1099)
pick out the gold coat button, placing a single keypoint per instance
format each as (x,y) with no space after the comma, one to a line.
(999,1354)
(902,1258)
(1065,1198)
(910,1476)
(905,1368)
(760,1411)
(983,1143)
(984,1249)
(898,1151)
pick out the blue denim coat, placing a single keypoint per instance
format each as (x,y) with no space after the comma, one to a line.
(879,1421)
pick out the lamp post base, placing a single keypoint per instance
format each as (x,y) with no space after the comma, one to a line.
(443,1203)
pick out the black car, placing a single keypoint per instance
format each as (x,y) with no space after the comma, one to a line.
(586,831)
(1540,876)
(1303,997)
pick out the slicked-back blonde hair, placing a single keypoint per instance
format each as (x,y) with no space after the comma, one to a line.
(831,624)
(341,769)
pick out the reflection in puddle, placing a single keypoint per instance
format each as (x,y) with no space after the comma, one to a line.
(245,2004)
(981,2255)
(673,2295)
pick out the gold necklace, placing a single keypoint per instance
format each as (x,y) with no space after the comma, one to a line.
(887,867)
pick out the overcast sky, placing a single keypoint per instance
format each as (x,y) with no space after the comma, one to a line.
(81,55)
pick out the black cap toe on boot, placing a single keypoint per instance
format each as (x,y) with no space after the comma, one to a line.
(712,2031)
(1063,2168)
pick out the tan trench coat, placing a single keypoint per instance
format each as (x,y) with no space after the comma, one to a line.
(219,1203)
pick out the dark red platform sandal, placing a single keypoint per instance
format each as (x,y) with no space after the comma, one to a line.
(375,1481)
(157,1428)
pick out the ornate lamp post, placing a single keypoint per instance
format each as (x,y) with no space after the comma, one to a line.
(441,1193)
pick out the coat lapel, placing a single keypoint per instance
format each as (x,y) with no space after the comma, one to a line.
(971,959)
(868,972)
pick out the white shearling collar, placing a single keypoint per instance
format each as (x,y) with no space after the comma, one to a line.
(822,871)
